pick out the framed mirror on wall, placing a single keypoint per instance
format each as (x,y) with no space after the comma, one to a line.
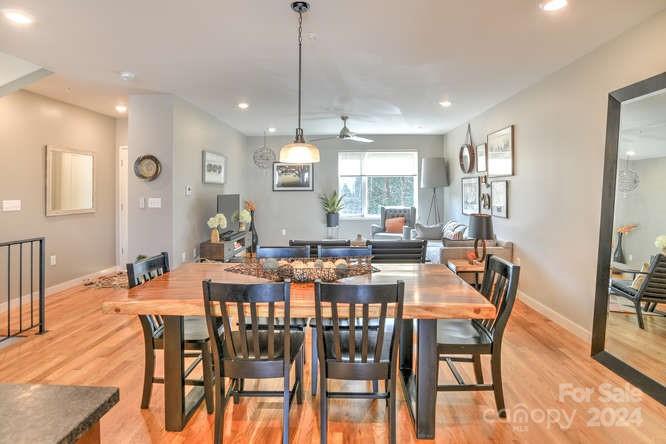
(629,331)
(70,181)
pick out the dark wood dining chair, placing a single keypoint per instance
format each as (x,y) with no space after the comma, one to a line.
(398,251)
(195,334)
(242,353)
(325,251)
(333,252)
(363,354)
(481,337)
(283,252)
(652,291)
(314,244)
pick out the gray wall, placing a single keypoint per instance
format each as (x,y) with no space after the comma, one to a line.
(194,131)
(299,212)
(176,132)
(555,195)
(150,131)
(83,243)
(646,207)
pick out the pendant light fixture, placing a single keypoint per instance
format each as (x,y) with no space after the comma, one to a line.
(299,151)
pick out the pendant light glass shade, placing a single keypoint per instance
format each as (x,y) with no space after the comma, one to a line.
(299,152)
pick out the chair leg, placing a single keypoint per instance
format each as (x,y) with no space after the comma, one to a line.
(219,409)
(238,388)
(208,379)
(313,365)
(478,370)
(639,314)
(285,411)
(148,375)
(393,411)
(323,410)
(300,362)
(496,367)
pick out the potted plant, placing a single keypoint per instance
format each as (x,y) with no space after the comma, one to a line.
(660,243)
(332,205)
(216,223)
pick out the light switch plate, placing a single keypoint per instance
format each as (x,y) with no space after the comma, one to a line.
(142,202)
(188,190)
(155,202)
(11,205)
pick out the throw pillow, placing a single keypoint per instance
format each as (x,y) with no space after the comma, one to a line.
(640,278)
(450,225)
(454,232)
(394,225)
(428,232)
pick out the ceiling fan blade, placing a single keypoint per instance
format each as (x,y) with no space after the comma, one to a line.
(359,139)
(322,138)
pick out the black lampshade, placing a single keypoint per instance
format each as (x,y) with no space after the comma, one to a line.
(481,227)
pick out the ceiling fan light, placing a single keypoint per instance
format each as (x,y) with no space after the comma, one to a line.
(299,152)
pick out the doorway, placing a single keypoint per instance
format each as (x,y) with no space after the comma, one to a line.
(121,209)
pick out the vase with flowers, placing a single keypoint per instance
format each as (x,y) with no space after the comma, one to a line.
(252,207)
(660,243)
(618,254)
(243,217)
(216,223)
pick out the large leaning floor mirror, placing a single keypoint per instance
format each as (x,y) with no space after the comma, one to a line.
(630,311)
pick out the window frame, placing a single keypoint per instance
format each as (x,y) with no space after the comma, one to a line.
(365,189)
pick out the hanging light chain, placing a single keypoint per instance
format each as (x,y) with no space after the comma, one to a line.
(299,131)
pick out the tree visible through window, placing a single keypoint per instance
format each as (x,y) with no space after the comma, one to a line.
(368,180)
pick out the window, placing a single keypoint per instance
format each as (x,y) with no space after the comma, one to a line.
(368,180)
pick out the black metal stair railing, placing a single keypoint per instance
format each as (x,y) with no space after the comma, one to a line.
(24,305)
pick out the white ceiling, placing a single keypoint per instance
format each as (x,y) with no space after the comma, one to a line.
(387,63)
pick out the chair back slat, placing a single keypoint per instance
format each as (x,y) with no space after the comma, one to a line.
(398,251)
(283,252)
(362,301)
(314,244)
(241,341)
(500,286)
(654,284)
(343,251)
(139,273)
(336,331)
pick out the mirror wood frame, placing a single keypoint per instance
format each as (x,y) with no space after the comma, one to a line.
(615,99)
(47,185)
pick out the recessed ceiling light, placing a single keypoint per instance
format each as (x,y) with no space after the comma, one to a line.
(553,5)
(18,17)
(243,105)
(446,103)
(271,130)
(127,75)
(122,109)
(631,153)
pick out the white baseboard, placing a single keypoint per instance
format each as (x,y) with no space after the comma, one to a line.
(62,286)
(554,316)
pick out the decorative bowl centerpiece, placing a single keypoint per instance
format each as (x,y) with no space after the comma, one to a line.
(305,269)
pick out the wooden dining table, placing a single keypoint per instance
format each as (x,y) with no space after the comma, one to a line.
(432,292)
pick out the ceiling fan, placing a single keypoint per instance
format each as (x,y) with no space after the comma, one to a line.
(346,134)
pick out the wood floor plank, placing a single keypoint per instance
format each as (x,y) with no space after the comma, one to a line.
(84,346)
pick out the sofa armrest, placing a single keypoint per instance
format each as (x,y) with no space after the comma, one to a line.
(374,228)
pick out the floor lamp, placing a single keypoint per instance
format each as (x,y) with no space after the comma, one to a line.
(434,175)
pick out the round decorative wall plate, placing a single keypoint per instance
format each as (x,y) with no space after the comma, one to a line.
(147,167)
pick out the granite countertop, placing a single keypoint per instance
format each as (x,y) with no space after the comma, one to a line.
(36,414)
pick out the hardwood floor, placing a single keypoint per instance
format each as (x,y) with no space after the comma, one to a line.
(85,347)
(643,349)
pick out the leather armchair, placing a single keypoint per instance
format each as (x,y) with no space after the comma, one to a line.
(409,213)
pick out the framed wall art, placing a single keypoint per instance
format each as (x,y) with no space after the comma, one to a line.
(481,164)
(214,168)
(500,198)
(293,176)
(500,152)
(470,195)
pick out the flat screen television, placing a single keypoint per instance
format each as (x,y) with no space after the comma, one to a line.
(229,205)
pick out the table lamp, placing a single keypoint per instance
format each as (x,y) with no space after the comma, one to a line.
(480,229)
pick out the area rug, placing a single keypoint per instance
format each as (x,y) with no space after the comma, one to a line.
(111,280)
